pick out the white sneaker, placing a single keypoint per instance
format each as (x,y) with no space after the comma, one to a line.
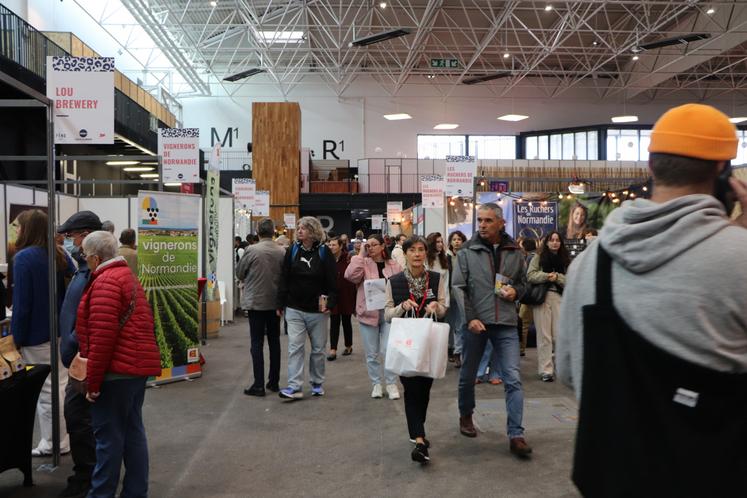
(376,393)
(392,391)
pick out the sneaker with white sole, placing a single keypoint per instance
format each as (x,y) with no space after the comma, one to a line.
(317,390)
(376,393)
(290,394)
(392,391)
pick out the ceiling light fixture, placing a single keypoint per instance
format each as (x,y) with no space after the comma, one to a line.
(148,175)
(379,37)
(430,76)
(446,126)
(133,144)
(506,55)
(397,117)
(635,57)
(711,11)
(513,117)
(382,5)
(738,119)
(213,3)
(172,184)
(121,163)
(594,43)
(548,8)
(485,77)
(134,169)
(624,119)
(244,74)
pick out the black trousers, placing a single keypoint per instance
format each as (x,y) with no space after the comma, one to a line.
(77,412)
(417,396)
(334,331)
(263,323)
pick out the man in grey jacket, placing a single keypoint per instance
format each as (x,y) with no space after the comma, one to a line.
(492,273)
(656,305)
(260,269)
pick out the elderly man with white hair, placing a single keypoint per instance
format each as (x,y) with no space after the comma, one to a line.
(308,290)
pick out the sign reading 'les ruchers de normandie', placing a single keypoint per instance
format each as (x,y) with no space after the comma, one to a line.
(82,89)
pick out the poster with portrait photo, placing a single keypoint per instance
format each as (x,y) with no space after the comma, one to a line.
(579,216)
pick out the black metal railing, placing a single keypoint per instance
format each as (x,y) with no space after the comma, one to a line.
(24,45)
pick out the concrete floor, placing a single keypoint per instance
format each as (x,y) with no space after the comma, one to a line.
(207,439)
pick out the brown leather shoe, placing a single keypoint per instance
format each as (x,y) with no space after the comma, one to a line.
(520,448)
(466,427)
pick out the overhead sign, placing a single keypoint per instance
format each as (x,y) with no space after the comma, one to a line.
(179,149)
(460,175)
(82,89)
(377,221)
(261,203)
(394,211)
(432,190)
(445,63)
(290,220)
(243,190)
(535,219)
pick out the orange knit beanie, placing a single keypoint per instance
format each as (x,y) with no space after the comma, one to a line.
(695,130)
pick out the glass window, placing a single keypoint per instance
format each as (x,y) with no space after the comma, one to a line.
(627,145)
(592,139)
(580,146)
(742,148)
(530,148)
(544,151)
(440,146)
(644,141)
(556,146)
(493,146)
(568,152)
(612,136)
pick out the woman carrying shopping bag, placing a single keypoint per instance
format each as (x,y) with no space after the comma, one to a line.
(369,271)
(422,293)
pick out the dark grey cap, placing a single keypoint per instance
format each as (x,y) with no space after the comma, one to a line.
(84,220)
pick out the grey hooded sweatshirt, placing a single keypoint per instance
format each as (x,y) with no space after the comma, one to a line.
(679,277)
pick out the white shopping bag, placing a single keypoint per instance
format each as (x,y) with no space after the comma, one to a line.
(438,345)
(408,349)
(375,292)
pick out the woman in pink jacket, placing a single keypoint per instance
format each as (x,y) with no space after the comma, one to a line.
(373,264)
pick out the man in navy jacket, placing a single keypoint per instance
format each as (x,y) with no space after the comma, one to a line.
(77,408)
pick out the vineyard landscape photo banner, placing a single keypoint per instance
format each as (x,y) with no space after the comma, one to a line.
(167,267)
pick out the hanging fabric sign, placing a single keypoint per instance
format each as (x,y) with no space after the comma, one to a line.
(394,211)
(289,219)
(167,269)
(460,174)
(212,200)
(243,190)
(377,220)
(179,149)
(82,89)
(432,190)
(535,219)
(261,203)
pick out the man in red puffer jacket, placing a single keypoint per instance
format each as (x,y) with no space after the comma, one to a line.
(116,336)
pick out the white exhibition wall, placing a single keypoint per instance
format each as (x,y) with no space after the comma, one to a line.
(123,212)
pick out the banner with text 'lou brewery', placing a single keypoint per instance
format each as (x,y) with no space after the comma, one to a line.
(535,219)
(82,89)
(167,268)
(460,175)
(179,149)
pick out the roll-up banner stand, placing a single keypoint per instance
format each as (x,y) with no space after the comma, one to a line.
(168,238)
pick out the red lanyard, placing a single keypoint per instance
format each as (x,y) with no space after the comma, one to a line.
(425,293)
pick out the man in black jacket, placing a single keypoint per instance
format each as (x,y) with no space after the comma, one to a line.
(308,290)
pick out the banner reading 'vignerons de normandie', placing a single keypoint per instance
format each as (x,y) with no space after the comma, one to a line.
(82,89)
(167,269)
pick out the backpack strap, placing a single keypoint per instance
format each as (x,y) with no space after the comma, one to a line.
(322,251)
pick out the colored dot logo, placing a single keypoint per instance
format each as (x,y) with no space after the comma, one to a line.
(150,208)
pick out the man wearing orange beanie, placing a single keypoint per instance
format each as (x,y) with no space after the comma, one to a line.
(653,326)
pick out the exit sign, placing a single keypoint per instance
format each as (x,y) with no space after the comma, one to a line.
(445,63)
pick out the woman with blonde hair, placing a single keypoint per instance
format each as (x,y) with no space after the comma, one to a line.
(577,221)
(307,293)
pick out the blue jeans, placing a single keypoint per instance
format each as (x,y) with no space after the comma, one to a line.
(505,342)
(455,319)
(117,420)
(300,324)
(489,358)
(375,339)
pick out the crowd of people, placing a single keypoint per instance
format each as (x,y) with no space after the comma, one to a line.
(652,339)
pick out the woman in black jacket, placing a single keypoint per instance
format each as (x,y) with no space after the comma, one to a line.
(424,293)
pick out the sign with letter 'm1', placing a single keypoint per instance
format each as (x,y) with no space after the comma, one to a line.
(179,149)
(82,89)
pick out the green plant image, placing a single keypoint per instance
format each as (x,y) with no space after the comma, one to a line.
(167,264)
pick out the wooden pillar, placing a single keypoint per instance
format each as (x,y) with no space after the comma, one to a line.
(276,154)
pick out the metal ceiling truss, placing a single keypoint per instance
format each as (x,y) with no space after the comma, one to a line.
(580,44)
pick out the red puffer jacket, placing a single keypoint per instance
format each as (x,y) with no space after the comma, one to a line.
(131,351)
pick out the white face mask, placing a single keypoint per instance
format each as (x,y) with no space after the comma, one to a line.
(69,244)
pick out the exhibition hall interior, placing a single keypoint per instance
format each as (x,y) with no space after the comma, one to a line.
(524,215)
